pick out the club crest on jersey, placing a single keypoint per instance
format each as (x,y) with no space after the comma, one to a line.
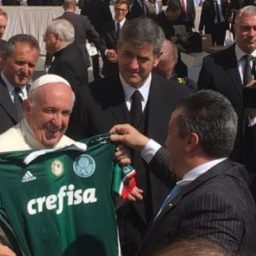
(57,167)
(84,166)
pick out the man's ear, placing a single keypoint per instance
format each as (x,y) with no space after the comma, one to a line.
(156,59)
(192,141)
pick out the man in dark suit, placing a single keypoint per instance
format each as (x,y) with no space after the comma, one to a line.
(154,7)
(166,19)
(83,30)
(188,14)
(18,64)
(68,59)
(98,12)
(224,72)
(214,20)
(137,8)
(109,36)
(211,200)
(111,101)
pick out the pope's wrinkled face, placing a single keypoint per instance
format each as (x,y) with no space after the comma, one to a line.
(48,113)
(246,33)
(136,62)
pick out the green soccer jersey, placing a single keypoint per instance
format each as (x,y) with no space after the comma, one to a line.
(61,202)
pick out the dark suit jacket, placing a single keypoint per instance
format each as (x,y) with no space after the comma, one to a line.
(188,19)
(69,64)
(151,8)
(108,40)
(216,206)
(165,24)
(208,15)
(220,73)
(83,31)
(8,112)
(137,9)
(101,106)
(98,13)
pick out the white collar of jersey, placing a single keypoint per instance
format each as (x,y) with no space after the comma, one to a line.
(32,156)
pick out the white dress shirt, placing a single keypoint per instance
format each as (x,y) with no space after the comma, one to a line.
(11,89)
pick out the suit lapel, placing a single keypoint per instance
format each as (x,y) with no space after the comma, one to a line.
(112,30)
(153,107)
(231,67)
(117,105)
(217,170)
(6,102)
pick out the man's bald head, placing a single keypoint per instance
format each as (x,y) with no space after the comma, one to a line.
(168,59)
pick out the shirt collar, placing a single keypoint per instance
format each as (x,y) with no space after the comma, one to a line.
(143,89)
(198,171)
(240,53)
(120,22)
(11,88)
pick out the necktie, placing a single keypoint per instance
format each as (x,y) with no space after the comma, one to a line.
(175,191)
(217,10)
(17,103)
(117,29)
(247,69)
(136,108)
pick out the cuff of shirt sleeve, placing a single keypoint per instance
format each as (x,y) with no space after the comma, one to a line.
(251,121)
(150,150)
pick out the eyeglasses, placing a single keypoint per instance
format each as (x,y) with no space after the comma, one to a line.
(120,10)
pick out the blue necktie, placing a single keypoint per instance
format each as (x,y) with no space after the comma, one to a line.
(175,190)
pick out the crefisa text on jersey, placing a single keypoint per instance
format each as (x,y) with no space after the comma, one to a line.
(67,195)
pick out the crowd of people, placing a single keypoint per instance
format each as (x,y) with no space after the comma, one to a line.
(68,146)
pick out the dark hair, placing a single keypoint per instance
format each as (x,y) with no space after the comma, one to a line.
(212,117)
(173,5)
(20,38)
(122,2)
(140,31)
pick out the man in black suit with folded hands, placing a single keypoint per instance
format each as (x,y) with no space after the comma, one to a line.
(109,37)
(211,199)
(113,101)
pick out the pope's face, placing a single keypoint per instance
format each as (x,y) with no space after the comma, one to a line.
(48,114)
